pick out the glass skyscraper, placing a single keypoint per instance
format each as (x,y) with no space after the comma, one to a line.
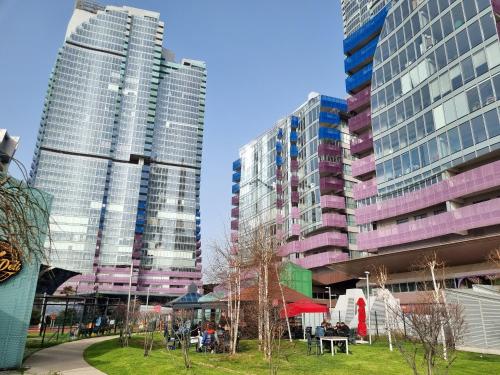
(119,148)
(424,84)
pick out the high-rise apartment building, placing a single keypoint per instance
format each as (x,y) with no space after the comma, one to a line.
(119,148)
(424,86)
(296,178)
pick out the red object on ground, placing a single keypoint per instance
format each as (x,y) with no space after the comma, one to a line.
(302,306)
(361,317)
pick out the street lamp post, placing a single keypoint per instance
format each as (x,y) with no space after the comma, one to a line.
(329,297)
(368,309)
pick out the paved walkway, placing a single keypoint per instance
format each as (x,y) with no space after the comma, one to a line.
(64,359)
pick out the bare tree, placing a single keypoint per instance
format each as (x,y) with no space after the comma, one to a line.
(150,320)
(494,257)
(25,219)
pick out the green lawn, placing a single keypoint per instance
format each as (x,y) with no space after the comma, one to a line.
(110,358)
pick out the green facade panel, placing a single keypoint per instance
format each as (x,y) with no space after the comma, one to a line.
(297,278)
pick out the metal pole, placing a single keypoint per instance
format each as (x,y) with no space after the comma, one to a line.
(42,316)
(147,299)
(65,312)
(329,297)
(129,292)
(368,309)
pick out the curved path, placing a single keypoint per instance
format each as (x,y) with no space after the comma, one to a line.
(65,358)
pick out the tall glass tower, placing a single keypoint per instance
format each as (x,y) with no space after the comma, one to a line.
(119,148)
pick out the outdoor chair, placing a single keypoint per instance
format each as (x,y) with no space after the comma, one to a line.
(312,344)
(208,344)
(353,332)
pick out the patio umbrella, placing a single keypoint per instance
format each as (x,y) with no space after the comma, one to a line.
(361,317)
(302,306)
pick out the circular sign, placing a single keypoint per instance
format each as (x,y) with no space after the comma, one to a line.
(10,261)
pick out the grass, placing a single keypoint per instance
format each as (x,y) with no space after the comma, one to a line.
(111,358)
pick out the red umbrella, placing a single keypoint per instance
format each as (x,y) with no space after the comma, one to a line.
(361,317)
(302,306)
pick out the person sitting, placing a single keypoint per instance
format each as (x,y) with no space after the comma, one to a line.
(208,340)
(343,331)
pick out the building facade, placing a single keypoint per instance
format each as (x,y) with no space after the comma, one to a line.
(296,178)
(424,86)
(119,148)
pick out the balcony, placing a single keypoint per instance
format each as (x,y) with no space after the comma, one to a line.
(237,165)
(332,202)
(467,183)
(357,60)
(359,80)
(366,32)
(294,181)
(327,102)
(361,167)
(198,244)
(329,150)
(279,189)
(235,200)
(234,224)
(359,101)
(294,197)
(334,220)
(477,215)
(365,189)
(295,213)
(329,134)
(295,230)
(235,189)
(236,177)
(330,184)
(496,7)
(327,168)
(279,174)
(235,212)
(279,203)
(294,165)
(294,122)
(279,147)
(294,151)
(362,144)
(321,259)
(293,136)
(314,242)
(327,118)
(360,121)
(279,219)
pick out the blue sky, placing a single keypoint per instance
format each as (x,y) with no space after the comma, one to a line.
(263,58)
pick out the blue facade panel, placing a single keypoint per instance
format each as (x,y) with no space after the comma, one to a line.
(329,134)
(373,26)
(236,177)
(294,122)
(279,146)
(237,165)
(364,54)
(236,188)
(329,102)
(329,118)
(294,151)
(293,136)
(359,79)
(279,161)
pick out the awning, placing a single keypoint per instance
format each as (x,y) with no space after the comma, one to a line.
(302,306)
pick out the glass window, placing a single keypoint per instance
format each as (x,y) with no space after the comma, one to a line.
(397,16)
(400,38)
(463,42)
(488,25)
(437,33)
(467,69)
(408,107)
(405,162)
(466,135)
(481,4)
(391,117)
(405,83)
(433,150)
(407,31)
(438,114)
(381,98)
(415,23)
(443,4)
(457,15)
(478,129)
(415,160)
(378,147)
(412,134)
(392,44)
(400,112)
(496,84)
(454,140)
(410,52)
(486,92)
(447,24)
(395,66)
(380,172)
(433,9)
(492,123)
(456,77)
(493,54)
(440,57)
(473,99)
(435,90)
(474,34)
(450,113)
(388,171)
(444,147)
(417,102)
(461,105)
(394,141)
(415,80)
(445,84)
(397,167)
(424,154)
(387,72)
(420,127)
(403,141)
(385,51)
(423,70)
(403,61)
(386,145)
(429,122)
(389,94)
(426,96)
(479,62)
(451,49)
(470,9)
(397,88)
(431,63)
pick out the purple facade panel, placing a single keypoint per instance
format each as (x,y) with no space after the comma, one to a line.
(365,189)
(333,201)
(322,259)
(360,121)
(314,242)
(462,219)
(363,166)
(473,181)
(360,100)
(334,220)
